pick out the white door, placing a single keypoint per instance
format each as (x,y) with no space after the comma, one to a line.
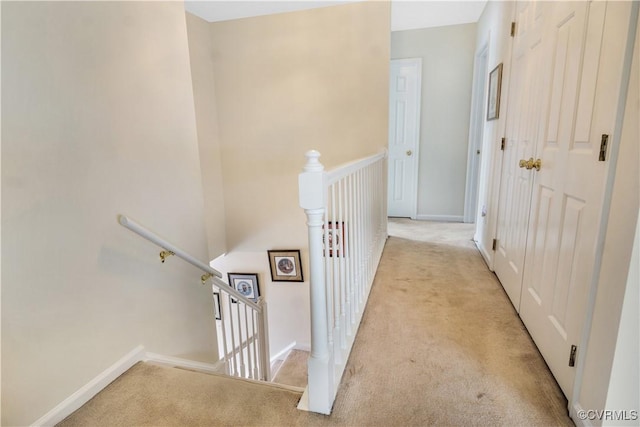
(404,136)
(586,54)
(524,116)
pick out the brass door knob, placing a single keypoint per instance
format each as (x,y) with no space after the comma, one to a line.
(530,164)
(537,164)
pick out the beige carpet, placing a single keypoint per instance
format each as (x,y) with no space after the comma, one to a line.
(440,344)
(294,369)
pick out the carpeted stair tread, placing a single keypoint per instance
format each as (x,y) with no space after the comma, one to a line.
(293,371)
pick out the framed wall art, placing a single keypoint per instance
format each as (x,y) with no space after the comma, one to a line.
(246,284)
(285,265)
(336,236)
(495,86)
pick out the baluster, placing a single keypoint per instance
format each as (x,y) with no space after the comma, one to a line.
(239,351)
(336,279)
(233,337)
(346,329)
(256,372)
(263,333)
(351,242)
(248,346)
(227,363)
(328,277)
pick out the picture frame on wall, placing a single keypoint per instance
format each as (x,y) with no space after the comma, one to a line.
(285,265)
(336,236)
(216,305)
(245,283)
(495,87)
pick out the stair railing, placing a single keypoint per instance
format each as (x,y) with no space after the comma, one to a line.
(245,335)
(346,208)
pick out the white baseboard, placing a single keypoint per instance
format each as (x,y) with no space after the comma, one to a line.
(216,368)
(485,255)
(303,404)
(440,218)
(93,387)
(303,347)
(283,353)
(573,413)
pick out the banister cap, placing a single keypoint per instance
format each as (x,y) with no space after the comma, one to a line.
(313,163)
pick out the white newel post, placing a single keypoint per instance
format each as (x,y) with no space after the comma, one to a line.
(263,331)
(321,371)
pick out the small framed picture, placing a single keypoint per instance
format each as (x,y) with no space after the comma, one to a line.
(246,284)
(216,305)
(335,234)
(285,265)
(495,85)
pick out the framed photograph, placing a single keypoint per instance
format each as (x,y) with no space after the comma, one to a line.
(495,85)
(285,265)
(216,305)
(336,237)
(246,284)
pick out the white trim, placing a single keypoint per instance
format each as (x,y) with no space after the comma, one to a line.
(176,362)
(476,135)
(93,387)
(573,414)
(303,404)
(485,254)
(283,354)
(303,347)
(440,218)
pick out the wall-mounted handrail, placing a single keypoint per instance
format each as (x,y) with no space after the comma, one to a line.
(216,275)
(250,359)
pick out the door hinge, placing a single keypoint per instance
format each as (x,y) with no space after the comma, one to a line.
(513,29)
(604,141)
(494,245)
(502,144)
(572,356)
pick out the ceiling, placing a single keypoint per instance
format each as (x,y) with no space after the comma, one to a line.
(405,14)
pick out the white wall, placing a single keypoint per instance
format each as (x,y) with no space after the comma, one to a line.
(624,384)
(493,33)
(98,119)
(204,94)
(287,302)
(447,69)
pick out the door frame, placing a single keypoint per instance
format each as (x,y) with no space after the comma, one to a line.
(416,155)
(476,135)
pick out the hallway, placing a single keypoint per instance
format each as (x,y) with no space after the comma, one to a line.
(440,343)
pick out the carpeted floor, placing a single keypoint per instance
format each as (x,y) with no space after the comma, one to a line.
(440,344)
(293,371)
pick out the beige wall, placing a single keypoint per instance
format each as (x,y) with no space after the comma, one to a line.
(204,94)
(98,119)
(285,84)
(447,69)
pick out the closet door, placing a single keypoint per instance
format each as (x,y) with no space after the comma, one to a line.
(585,54)
(524,116)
